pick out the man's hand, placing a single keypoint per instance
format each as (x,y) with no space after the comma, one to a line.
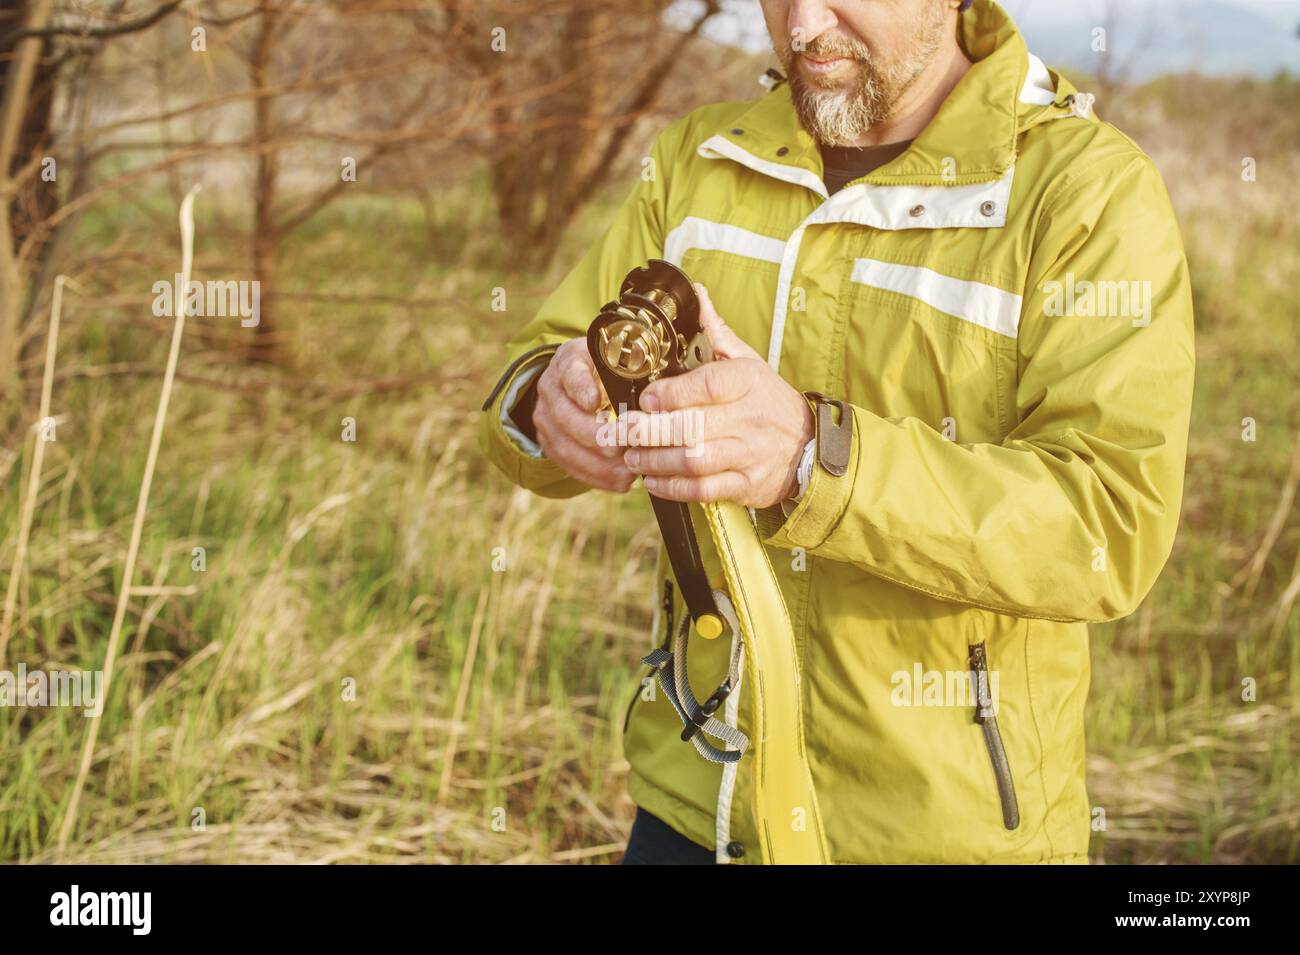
(568,396)
(753,426)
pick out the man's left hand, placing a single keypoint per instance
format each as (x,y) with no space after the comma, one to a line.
(752,426)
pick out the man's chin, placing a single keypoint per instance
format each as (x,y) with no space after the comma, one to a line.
(833,98)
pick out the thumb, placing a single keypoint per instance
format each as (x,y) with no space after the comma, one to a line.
(725,342)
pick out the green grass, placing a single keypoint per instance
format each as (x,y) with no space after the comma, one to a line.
(372,561)
(326,560)
(1186,769)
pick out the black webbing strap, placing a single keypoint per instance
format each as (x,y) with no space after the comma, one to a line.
(683,549)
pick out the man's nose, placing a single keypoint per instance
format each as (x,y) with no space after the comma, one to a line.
(808,20)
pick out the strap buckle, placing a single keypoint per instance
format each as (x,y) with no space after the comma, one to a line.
(706,710)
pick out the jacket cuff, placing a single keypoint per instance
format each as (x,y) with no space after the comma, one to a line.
(506,447)
(522,379)
(820,508)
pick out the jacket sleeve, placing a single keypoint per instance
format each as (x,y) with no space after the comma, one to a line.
(635,236)
(1072,516)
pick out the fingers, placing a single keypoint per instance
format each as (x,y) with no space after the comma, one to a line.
(562,420)
(578,376)
(568,426)
(711,457)
(724,486)
(718,382)
(568,396)
(714,470)
(666,429)
(593,466)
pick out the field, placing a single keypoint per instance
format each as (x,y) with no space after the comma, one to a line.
(350,680)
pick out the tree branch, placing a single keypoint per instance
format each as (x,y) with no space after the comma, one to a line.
(88,32)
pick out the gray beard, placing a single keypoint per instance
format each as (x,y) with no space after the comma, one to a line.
(840,116)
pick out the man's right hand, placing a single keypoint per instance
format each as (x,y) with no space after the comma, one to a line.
(569,394)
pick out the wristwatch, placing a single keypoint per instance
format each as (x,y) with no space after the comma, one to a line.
(803,474)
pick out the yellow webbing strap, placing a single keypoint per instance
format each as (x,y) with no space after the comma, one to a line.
(785,804)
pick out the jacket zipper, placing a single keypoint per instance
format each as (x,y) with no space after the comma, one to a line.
(988,722)
(668,635)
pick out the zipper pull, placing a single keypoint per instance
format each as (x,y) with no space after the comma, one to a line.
(979,666)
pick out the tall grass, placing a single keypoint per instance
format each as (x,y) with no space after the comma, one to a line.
(301,697)
(1186,768)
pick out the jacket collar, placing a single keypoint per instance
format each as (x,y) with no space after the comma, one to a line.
(972,139)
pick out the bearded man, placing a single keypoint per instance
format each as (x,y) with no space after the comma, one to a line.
(927,226)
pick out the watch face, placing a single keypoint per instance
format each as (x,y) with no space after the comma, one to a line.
(806,466)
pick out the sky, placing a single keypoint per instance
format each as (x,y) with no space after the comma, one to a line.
(1256,37)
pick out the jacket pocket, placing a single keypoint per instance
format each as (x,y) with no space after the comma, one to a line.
(667,609)
(955,375)
(985,716)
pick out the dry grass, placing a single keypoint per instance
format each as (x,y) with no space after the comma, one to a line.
(330,561)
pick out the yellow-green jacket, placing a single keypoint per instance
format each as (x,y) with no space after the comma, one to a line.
(1006,306)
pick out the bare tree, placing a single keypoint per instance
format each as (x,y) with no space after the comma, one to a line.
(44,47)
(410,89)
(19,119)
(590,69)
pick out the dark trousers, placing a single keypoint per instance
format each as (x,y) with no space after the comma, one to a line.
(654,842)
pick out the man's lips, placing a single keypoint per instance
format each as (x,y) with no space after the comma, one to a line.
(819,66)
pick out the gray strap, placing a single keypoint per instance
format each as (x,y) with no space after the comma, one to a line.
(673,679)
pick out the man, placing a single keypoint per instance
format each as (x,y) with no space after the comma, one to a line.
(927,224)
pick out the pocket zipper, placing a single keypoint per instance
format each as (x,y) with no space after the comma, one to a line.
(988,722)
(668,635)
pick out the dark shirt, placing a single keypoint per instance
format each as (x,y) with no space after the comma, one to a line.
(843,164)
